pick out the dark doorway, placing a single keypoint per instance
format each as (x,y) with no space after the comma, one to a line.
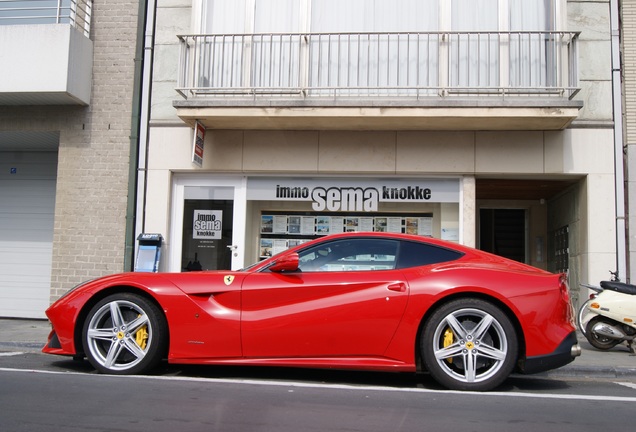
(503,232)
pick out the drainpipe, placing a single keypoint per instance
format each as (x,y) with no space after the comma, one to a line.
(135,217)
(619,159)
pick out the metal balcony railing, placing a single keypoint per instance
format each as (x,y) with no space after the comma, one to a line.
(77,13)
(379,65)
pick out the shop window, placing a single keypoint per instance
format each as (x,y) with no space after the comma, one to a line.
(282,230)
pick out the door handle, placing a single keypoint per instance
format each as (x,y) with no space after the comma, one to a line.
(399,287)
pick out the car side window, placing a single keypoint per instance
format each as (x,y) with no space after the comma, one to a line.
(350,255)
(415,254)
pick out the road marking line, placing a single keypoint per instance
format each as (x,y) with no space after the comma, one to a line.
(9,354)
(335,386)
(627,384)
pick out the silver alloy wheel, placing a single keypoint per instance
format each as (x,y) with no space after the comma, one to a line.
(477,349)
(119,335)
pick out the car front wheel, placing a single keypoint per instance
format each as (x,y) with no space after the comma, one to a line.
(124,334)
(469,344)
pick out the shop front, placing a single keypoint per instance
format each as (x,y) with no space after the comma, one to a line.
(232,221)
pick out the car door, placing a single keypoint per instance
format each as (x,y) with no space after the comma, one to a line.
(347,303)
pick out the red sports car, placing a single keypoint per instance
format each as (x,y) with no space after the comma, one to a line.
(367,301)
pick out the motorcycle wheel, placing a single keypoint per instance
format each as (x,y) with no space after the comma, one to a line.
(584,316)
(597,341)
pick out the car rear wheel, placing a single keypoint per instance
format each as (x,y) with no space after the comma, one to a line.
(469,344)
(124,334)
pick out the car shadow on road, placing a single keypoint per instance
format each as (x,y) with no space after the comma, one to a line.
(319,376)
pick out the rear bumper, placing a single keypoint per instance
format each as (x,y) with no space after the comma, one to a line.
(565,353)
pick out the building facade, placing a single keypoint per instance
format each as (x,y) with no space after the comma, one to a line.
(628,43)
(237,128)
(67,91)
(486,122)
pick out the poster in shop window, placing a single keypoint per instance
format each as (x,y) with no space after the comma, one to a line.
(207,224)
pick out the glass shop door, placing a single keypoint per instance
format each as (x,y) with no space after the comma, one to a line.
(208,225)
(207,234)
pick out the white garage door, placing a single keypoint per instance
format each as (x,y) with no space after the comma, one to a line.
(27,203)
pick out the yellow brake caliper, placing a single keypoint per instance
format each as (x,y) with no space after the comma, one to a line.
(449,338)
(141,337)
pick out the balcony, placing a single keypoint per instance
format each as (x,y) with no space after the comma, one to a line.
(47,56)
(451,80)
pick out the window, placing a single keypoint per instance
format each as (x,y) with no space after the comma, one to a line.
(413,254)
(380,47)
(349,255)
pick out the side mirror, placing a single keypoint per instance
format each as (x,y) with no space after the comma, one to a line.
(287,263)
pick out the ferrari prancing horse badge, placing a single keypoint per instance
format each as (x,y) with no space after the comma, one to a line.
(228,279)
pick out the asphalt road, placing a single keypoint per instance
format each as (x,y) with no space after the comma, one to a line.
(44,393)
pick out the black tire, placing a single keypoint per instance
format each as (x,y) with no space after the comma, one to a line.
(133,343)
(598,341)
(583,316)
(469,344)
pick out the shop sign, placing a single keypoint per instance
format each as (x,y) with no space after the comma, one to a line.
(197,145)
(353,195)
(207,224)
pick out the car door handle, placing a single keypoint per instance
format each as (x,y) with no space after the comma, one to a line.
(399,287)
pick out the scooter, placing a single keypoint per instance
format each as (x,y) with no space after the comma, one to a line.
(609,316)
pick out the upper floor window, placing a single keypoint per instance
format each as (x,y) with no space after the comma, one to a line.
(390,48)
(363,16)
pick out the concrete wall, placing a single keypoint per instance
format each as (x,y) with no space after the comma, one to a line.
(592,19)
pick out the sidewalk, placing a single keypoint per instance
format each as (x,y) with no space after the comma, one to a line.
(30,335)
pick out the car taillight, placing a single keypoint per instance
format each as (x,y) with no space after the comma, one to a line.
(564,288)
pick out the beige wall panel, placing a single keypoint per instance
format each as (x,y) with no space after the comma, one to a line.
(598,101)
(223,150)
(163,93)
(509,152)
(170,148)
(554,153)
(435,152)
(469,211)
(359,152)
(579,151)
(173,18)
(158,206)
(601,226)
(286,151)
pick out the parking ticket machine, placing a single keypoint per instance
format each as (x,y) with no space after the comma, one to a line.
(148,253)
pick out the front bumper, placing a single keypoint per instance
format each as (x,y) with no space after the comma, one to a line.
(565,353)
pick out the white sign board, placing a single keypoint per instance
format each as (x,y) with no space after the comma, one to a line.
(207,224)
(197,145)
(333,195)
